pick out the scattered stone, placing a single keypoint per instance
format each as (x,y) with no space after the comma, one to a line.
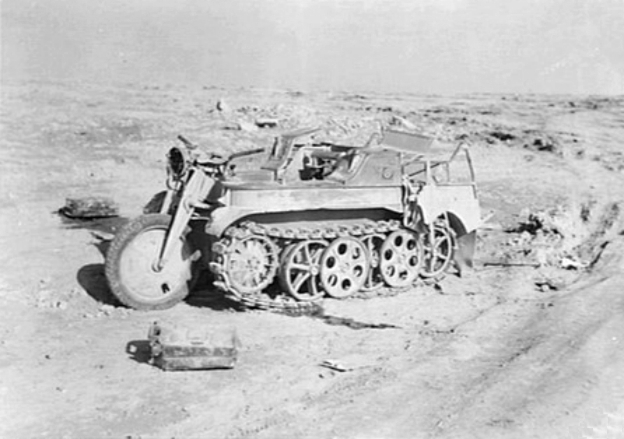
(107,310)
(569,263)
(60,304)
(223,106)
(241,126)
(246,126)
(231,126)
(502,136)
(125,311)
(544,145)
(402,122)
(545,285)
(267,122)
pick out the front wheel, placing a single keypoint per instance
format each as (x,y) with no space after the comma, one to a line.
(131,265)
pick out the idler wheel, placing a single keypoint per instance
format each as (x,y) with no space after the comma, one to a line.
(401,258)
(251,263)
(373,244)
(344,267)
(300,269)
(439,246)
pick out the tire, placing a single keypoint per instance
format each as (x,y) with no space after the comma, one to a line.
(130,264)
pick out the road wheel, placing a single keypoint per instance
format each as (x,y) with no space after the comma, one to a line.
(438,252)
(301,268)
(131,265)
(373,244)
(401,258)
(344,267)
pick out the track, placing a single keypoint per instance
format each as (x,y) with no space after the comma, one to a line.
(330,259)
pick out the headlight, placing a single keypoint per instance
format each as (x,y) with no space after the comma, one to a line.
(178,162)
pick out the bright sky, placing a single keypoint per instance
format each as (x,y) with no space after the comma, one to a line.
(427,46)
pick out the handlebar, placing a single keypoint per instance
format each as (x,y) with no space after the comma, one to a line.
(215,160)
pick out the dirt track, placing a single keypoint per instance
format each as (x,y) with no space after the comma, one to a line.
(504,352)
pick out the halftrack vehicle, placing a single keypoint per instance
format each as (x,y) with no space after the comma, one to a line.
(284,227)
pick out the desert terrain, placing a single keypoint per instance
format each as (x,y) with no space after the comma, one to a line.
(530,343)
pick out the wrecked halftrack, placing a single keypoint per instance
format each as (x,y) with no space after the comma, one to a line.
(285,227)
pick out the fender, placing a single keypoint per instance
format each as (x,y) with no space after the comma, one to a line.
(436,200)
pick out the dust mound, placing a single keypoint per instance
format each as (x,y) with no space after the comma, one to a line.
(571,236)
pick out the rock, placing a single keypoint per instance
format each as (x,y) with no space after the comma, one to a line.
(60,304)
(402,122)
(569,263)
(107,310)
(240,126)
(247,126)
(223,106)
(267,122)
(502,135)
(544,145)
(549,284)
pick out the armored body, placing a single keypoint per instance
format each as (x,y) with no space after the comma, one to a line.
(285,227)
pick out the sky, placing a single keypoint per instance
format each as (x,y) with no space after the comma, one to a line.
(415,46)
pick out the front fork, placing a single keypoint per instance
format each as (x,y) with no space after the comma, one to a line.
(196,189)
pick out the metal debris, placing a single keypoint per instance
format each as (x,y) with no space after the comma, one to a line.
(90,207)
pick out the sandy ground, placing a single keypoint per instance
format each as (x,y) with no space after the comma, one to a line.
(506,351)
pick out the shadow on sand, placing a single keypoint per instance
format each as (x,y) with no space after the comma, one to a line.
(139,351)
(92,278)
